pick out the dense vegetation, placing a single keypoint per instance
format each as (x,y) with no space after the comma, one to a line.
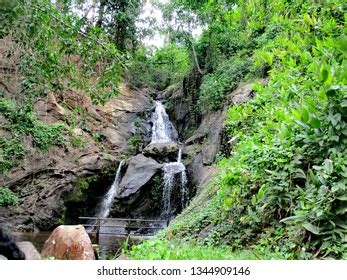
(282,192)
(283,188)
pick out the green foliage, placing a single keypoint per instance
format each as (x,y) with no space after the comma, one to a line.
(156,192)
(135,144)
(166,66)
(11,150)
(8,197)
(76,140)
(118,18)
(292,150)
(284,188)
(57,54)
(216,86)
(161,249)
(22,121)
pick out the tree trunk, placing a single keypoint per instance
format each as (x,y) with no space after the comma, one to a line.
(101,13)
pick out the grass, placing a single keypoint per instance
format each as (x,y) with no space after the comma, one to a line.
(159,249)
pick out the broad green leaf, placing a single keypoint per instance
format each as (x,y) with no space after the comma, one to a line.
(304,115)
(311,228)
(296,114)
(328,166)
(332,90)
(342,197)
(315,123)
(228,202)
(299,174)
(343,44)
(261,192)
(292,218)
(280,115)
(324,74)
(308,19)
(254,200)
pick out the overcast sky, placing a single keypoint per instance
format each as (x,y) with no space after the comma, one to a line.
(148,10)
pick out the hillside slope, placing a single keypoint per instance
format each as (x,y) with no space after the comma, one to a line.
(281,192)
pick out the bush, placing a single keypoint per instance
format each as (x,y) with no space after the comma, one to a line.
(7,197)
(216,86)
(11,150)
(166,66)
(22,121)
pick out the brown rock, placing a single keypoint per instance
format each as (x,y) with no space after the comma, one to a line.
(69,243)
(161,149)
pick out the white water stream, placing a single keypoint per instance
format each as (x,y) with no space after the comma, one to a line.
(162,127)
(106,203)
(174,172)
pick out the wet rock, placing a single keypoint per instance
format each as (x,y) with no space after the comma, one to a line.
(46,180)
(161,150)
(140,171)
(69,243)
(29,250)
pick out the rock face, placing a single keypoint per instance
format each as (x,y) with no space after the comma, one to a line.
(45,180)
(29,250)
(139,193)
(209,138)
(161,150)
(69,243)
(139,172)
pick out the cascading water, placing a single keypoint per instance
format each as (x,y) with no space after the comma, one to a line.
(162,127)
(106,203)
(174,172)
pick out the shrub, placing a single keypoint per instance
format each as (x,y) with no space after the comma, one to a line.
(216,86)
(22,121)
(7,197)
(166,66)
(11,150)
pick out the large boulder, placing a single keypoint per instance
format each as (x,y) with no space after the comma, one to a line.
(139,172)
(69,243)
(29,250)
(161,150)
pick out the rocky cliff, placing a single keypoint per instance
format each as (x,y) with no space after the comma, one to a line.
(56,186)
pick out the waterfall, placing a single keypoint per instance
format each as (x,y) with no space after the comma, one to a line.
(162,127)
(106,203)
(174,172)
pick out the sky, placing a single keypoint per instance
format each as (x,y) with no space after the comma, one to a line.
(157,40)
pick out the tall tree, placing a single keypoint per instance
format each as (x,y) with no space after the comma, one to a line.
(118,18)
